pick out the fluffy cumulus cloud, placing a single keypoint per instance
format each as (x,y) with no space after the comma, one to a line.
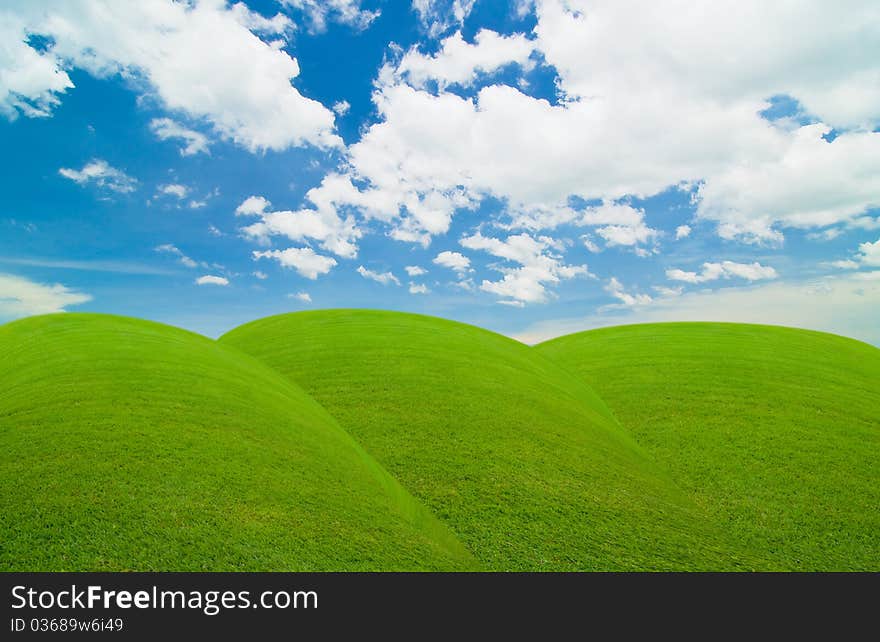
(452,260)
(724,269)
(415,270)
(676,104)
(253,206)
(243,89)
(379,277)
(304,260)
(418,288)
(869,253)
(323,222)
(21,297)
(810,183)
(619,224)
(176,190)
(100,173)
(30,81)
(193,142)
(531,264)
(460,62)
(211,279)
(305,297)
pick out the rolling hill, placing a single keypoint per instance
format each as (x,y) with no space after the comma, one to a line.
(774,432)
(368,440)
(129,445)
(522,460)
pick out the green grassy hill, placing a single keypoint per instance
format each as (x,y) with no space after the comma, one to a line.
(129,445)
(775,432)
(521,459)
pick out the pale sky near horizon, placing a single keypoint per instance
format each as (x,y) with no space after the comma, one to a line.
(535,168)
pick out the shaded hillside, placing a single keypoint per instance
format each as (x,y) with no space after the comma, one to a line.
(520,459)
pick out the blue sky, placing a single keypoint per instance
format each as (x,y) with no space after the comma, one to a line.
(535,168)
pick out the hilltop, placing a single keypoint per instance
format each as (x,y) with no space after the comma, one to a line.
(775,432)
(129,445)
(523,461)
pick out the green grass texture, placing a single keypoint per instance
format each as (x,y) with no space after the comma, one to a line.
(353,440)
(519,457)
(774,432)
(130,445)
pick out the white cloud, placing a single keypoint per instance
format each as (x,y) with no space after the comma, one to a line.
(438,16)
(277,25)
(869,253)
(242,89)
(538,265)
(118,267)
(724,269)
(213,230)
(30,81)
(460,62)
(21,297)
(252,206)
(174,189)
(103,175)
(418,288)
(303,259)
(662,290)
(379,277)
(305,297)
(210,279)
(672,99)
(590,244)
(341,107)
(866,223)
(731,54)
(809,183)
(844,305)
(347,12)
(168,129)
(624,235)
(321,222)
(415,270)
(682,232)
(262,276)
(825,235)
(619,224)
(168,248)
(453,260)
(615,288)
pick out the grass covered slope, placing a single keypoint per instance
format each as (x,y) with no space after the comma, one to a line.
(129,445)
(522,460)
(774,431)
